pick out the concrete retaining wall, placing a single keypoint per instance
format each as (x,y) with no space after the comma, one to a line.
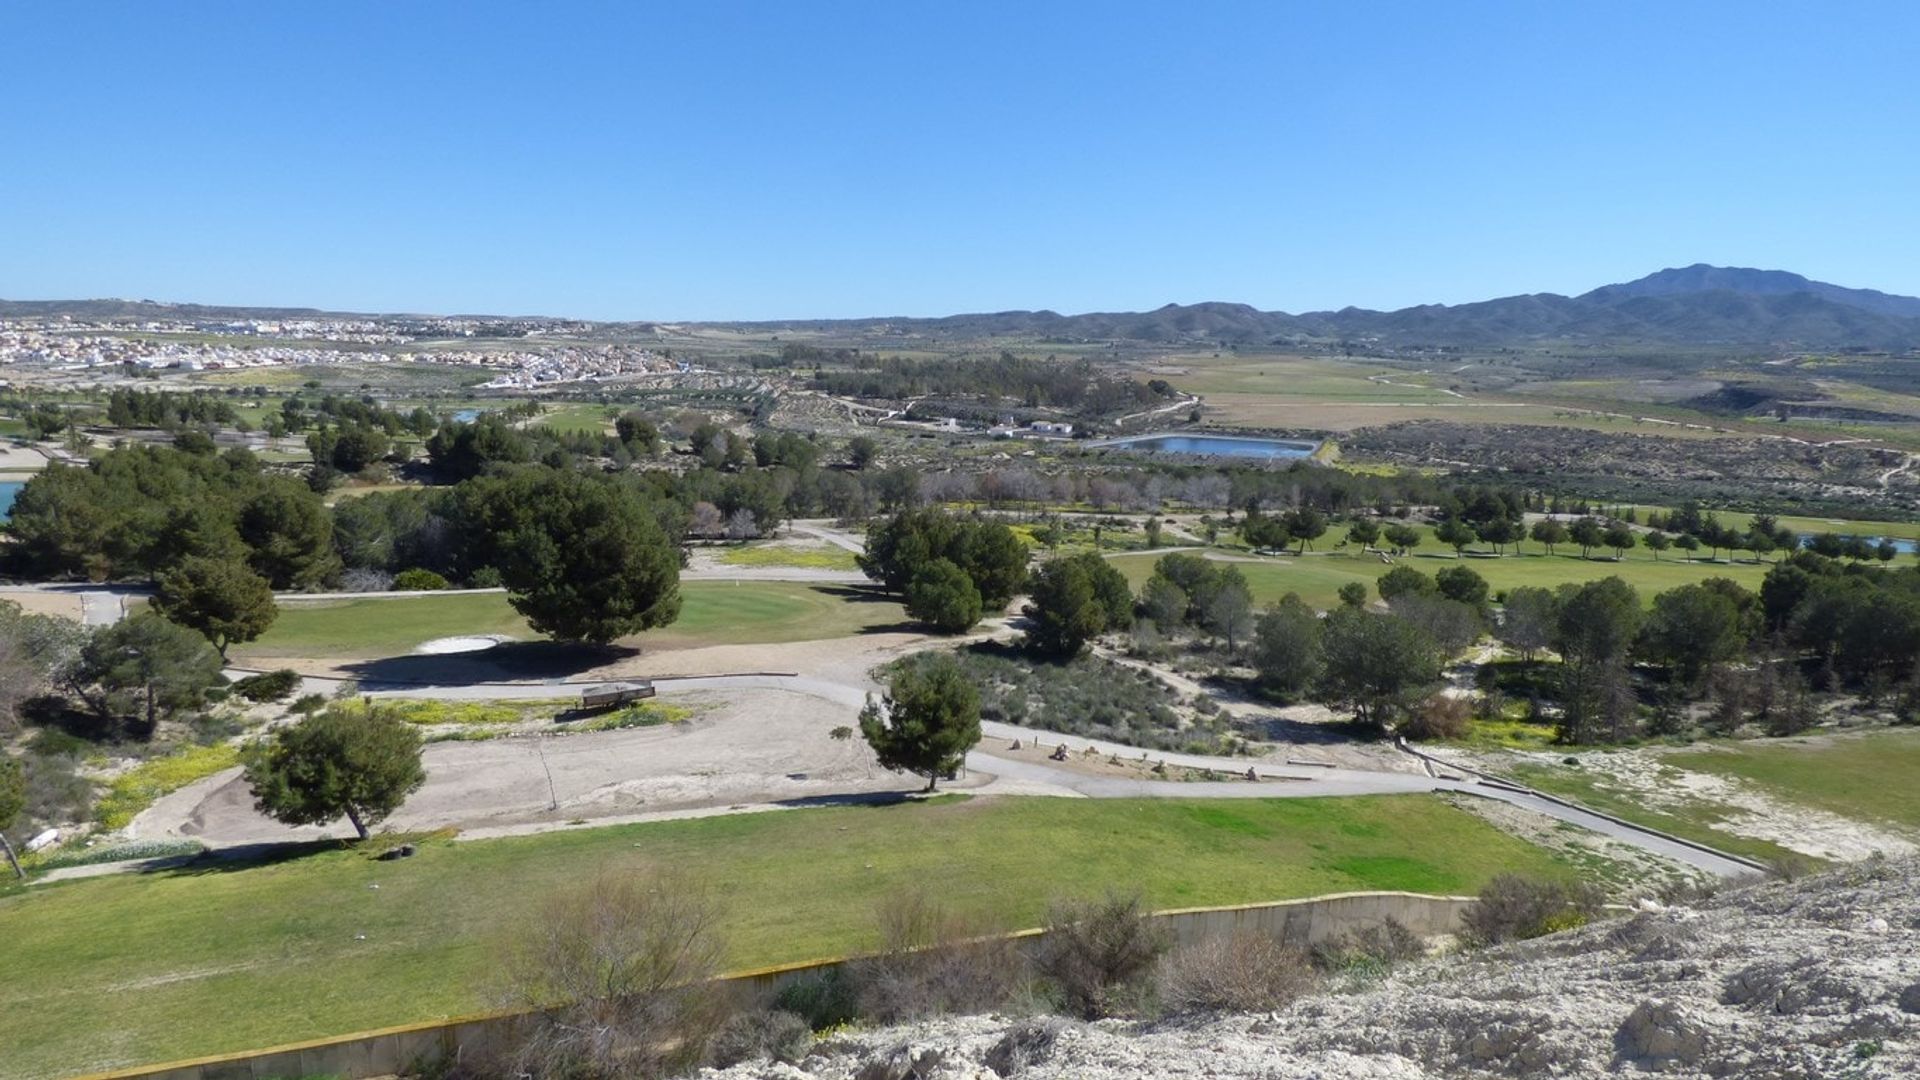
(389,1050)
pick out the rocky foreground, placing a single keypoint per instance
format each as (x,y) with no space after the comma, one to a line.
(1816,978)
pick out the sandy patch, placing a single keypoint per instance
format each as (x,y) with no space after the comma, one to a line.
(447,646)
(1754,813)
(65,605)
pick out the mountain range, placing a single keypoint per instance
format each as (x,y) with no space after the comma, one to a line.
(1697,305)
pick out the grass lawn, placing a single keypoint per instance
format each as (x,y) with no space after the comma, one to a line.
(596,419)
(1317,577)
(711,613)
(1695,821)
(131,969)
(1872,777)
(809,556)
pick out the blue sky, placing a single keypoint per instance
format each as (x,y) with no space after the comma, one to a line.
(723,160)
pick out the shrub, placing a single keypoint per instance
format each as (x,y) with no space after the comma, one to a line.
(761,1035)
(270,686)
(1098,955)
(418,581)
(1513,908)
(1246,972)
(622,969)
(308,704)
(823,999)
(1441,716)
(1372,948)
(932,963)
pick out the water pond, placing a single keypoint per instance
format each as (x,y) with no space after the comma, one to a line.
(1905,547)
(8,489)
(1215,445)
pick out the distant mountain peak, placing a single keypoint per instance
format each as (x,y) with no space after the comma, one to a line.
(1747,281)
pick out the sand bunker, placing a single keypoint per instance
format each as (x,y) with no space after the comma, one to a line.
(448,645)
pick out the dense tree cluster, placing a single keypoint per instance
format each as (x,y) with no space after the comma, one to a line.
(1187,590)
(583,557)
(159,409)
(1077,386)
(986,553)
(137,512)
(1074,600)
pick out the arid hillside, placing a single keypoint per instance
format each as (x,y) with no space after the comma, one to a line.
(1816,978)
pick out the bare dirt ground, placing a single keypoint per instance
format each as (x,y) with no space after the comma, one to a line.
(65,605)
(20,459)
(742,747)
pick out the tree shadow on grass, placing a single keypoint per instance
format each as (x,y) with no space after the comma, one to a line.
(513,661)
(248,857)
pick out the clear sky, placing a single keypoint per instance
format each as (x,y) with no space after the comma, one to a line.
(715,160)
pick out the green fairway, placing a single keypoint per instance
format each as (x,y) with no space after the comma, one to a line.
(130,969)
(1317,577)
(712,612)
(1873,777)
(594,419)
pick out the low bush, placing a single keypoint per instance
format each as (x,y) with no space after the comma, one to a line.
(1370,949)
(269,686)
(419,581)
(1513,908)
(309,704)
(761,1035)
(1089,696)
(932,963)
(621,969)
(1441,716)
(1247,972)
(823,999)
(56,792)
(1097,956)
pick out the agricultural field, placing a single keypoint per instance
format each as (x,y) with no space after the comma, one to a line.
(140,968)
(1317,576)
(712,612)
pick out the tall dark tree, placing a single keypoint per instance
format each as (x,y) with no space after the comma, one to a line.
(1691,629)
(926,722)
(1376,665)
(1596,625)
(289,536)
(583,557)
(941,595)
(359,762)
(1527,621)
(1287,651)
(1074,600)
(221,598)
(1456,534)
(145,667)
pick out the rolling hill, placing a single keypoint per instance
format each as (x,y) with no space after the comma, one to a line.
(1698,305)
